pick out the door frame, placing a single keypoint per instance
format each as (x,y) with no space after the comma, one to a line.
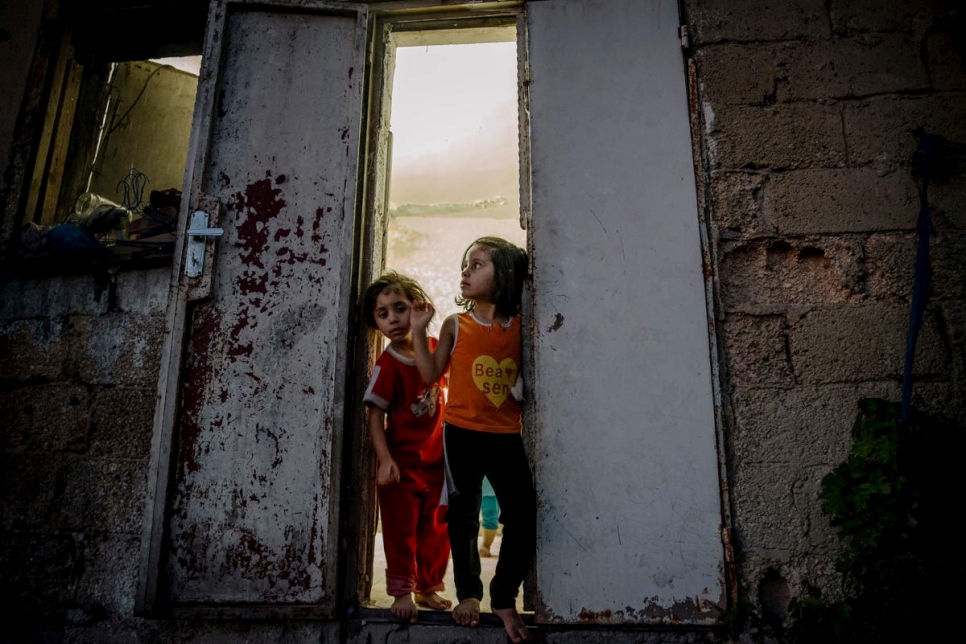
(360,514)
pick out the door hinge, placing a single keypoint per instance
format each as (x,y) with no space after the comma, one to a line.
(685,35)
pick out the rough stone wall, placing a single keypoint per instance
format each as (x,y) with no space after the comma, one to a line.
(806,111)
(79,360)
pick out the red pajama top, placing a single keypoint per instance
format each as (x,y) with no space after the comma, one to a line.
(414,410)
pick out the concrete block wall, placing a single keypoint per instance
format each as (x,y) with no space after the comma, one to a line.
(805,117)
(79,360)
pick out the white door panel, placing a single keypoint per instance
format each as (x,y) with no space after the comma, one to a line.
(625,447)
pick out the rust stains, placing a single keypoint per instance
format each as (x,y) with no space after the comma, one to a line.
(558,321)
(199,372)
(250,557)
(586,615)
(317,223)
(259,430)
(237,348)
(689,611)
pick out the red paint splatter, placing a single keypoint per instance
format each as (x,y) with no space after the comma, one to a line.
(240,323)
(240,350)
(316,224)
(199,371)
(258,206)
(248,284)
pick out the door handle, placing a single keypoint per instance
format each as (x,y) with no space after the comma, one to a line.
(199,236)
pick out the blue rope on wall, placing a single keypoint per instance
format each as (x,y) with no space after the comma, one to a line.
(920,280)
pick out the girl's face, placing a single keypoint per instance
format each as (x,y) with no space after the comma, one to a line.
(392,316)
(478,275)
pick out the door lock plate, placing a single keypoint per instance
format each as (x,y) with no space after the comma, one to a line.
(198,237)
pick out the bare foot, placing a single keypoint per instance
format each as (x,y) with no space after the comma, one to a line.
(404,608)
(516,630)
(467,612)
(485,551)
(433,601)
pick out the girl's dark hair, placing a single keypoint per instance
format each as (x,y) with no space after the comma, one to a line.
(509,269)
(398,282)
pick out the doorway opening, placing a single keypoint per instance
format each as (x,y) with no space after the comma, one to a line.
(451,101)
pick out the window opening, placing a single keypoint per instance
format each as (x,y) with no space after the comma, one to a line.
(455,177)
(106,184)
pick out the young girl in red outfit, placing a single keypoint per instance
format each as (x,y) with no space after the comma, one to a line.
(405,422)
(481,347)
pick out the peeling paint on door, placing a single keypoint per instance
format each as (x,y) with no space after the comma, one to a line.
(252,517)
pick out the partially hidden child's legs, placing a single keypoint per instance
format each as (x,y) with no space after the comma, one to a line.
(466,468)
(490,511)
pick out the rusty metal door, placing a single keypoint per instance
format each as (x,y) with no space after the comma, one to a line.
(629,525)
(245,474)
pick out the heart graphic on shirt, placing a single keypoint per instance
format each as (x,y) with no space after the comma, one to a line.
(495,379)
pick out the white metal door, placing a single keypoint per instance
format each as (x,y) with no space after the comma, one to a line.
(629,525)
(244,490)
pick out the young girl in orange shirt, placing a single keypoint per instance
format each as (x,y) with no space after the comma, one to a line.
(481,347)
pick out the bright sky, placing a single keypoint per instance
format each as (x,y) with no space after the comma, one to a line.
(455,140)
(446,95)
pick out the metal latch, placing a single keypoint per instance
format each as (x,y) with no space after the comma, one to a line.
(198,236)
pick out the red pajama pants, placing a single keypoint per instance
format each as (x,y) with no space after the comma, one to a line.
(416,542)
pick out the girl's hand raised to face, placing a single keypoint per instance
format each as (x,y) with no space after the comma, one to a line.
(421,314)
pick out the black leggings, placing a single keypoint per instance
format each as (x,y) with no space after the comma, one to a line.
(471,455)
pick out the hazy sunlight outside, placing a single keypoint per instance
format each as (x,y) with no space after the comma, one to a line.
(455,164)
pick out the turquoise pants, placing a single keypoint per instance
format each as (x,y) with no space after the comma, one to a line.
(489,508)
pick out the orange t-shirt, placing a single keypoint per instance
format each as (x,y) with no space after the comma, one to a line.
(483,370)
